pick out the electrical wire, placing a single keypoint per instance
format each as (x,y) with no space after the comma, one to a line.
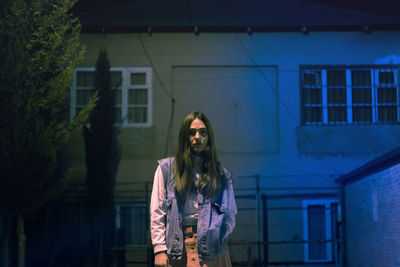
(171,118)
(282,102)
(258,67)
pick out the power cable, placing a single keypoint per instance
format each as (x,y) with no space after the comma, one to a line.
(258,67)
(282,102)
(154,69)
(171,118)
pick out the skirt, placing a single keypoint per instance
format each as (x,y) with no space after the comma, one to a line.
(190,257)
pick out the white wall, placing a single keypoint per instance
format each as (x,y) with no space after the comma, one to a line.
(255,111)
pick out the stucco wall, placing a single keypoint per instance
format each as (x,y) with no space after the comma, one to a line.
(373,220)
(288,147)
(335,140)
(256,113)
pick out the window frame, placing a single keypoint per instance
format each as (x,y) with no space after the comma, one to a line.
(118,226)
(125,86)
(375,84)
(327,203)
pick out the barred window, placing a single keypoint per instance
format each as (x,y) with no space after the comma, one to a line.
(132,94)
(350,94)
(316,232)
(131,224)
(319,224)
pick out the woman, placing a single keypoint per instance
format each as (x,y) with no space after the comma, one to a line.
(193,208)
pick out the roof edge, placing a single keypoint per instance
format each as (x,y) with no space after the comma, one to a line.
(238,29)
(385,161)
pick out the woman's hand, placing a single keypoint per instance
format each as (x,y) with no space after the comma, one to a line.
(161,259)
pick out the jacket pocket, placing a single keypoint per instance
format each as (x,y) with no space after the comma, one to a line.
(217,234)
(173,231)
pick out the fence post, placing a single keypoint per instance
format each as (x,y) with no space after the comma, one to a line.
(259,238)
(265,229)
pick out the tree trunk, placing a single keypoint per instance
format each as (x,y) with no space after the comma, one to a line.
(21,241)
(5,240)
(100,251)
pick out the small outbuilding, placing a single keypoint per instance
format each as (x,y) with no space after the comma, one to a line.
(371,212)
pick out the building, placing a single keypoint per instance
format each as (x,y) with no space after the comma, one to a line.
(298,94)
(370,201)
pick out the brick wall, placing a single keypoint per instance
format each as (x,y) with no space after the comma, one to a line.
(373,220)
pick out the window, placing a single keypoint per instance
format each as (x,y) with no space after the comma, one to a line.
(350,95)
(132,91)
(319,228)
(131,224)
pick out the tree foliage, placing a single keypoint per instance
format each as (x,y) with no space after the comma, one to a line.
(39,49)
(102,158)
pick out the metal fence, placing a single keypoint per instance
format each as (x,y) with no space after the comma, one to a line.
(272,218)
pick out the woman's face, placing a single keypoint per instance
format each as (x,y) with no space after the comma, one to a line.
(198,136)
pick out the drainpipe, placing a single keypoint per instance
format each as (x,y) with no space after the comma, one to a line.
(343,226)
(259,237)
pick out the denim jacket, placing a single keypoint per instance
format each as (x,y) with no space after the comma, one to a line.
(214,215)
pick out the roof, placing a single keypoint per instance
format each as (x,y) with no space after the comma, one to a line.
(229,16)
(383,162)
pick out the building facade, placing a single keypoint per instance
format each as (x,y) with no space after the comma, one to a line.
(293,107)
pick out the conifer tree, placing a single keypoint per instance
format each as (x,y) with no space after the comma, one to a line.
(39,50)
(102,159)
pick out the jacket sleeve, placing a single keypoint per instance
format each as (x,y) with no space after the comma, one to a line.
(230,214)
(158,212)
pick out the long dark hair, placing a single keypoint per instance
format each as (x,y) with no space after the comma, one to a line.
(211,181)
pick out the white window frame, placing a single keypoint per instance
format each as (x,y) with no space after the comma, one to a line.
(126,71)
(328,227)
(374,70)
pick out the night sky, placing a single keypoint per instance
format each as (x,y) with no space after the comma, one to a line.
(384,7)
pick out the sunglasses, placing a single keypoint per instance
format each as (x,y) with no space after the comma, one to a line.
(202,131)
